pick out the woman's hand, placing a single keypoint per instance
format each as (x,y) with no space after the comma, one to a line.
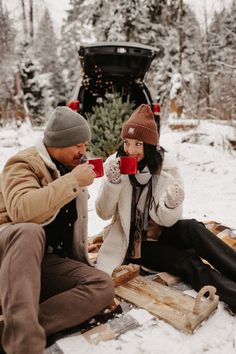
(174,196)
(112,171)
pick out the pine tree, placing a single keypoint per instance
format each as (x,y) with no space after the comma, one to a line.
(106,121)
(7,34)
(57,80)
(222,57)
(156,24)
(33,91)
(45,43)
(46,51)
(76,29)
(172,58)
(8,57)
(124,20)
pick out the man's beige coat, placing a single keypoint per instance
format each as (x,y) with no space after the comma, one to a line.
(32,190)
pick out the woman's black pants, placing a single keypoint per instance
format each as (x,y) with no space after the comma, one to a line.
(180,250)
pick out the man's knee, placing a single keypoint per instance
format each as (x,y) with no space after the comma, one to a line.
(26,234)
(107,285)
(103,286)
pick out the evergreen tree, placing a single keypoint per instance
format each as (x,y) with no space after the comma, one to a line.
(76,29)
(60,90)
(172,58)
(191,64)
(127,21)
(106,121)
(45,43)
(156,24)
(46,50)
(8,57)
(33,91)
(222,69)
(7,34)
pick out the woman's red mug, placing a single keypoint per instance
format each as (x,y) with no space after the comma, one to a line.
(128,165)
(98,166)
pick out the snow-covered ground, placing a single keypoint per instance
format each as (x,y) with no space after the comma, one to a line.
(210,185)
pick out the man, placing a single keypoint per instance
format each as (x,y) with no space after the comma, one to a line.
(46,282)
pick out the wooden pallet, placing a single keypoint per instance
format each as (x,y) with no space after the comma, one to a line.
(180,310)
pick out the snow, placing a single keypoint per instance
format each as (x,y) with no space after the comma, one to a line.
(209,172)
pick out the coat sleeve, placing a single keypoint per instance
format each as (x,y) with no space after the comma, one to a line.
(108,196)
(107,199)
(27,200)
(162,215)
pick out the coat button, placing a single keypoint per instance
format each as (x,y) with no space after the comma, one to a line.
(74,190)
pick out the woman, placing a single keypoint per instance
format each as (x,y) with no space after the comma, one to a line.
(146,209)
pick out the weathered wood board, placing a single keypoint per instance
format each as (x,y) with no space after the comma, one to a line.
(180,310)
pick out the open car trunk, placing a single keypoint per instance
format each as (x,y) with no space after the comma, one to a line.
(111,67)
(116,60)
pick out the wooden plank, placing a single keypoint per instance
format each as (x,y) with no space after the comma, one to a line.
(180,310)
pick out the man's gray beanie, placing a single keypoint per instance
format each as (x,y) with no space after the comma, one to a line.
(66,128)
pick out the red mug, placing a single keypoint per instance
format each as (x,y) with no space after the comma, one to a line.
(128,165)
(98,166)
(74,105)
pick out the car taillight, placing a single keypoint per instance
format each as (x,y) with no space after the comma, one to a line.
(74,105)
(156,107)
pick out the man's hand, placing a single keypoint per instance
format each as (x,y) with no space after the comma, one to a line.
(84,174)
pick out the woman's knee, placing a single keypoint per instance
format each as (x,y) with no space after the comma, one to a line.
(187,226)
(187,223)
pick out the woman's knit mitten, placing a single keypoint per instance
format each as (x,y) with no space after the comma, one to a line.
(174,196)
(112,171)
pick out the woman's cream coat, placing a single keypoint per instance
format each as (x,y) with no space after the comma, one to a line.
(114,201)
(32,190)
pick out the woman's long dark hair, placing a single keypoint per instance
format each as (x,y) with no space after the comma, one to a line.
(153,157)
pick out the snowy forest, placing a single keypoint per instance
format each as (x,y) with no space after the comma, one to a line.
(39,68)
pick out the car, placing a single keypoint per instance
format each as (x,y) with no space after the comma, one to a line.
(110,67)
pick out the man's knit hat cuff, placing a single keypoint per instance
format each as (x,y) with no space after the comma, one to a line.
(67,137)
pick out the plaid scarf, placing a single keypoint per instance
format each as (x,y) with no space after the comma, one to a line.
(141,198)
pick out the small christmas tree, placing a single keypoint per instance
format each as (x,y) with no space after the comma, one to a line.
(106,121)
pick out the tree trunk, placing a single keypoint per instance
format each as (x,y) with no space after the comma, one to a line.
(24,18)
(31,19)
(180,32)
(207,63)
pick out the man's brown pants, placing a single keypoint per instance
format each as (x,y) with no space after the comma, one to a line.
(43,294)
